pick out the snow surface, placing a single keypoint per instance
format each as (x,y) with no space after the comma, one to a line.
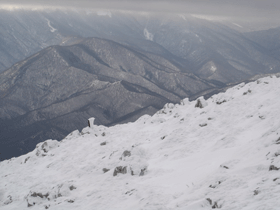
(148,35)
(220,153)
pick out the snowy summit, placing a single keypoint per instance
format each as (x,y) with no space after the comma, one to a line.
(220,153)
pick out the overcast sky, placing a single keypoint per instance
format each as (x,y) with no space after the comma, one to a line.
(238,8)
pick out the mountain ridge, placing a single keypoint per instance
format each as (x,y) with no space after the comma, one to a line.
(150,59)
(217,153)
(95,77)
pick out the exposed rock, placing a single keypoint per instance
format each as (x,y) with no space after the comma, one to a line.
(44,147)
(215,185)
(245,93)
(262,117)
(273,168)
(256,192)
(198,104)
(130,192)
(120,170)
(220,102)
(142,173)
(9,200)
(103,143)
(201,103)
(72,187)
(34,194)
(26,159)
(215,206)
(203,124)
(105,170)
(126,153)
(222,166)
(209,200)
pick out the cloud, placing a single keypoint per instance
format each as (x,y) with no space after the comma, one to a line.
(230,8)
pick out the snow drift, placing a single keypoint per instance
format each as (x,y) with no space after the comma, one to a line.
(220,153)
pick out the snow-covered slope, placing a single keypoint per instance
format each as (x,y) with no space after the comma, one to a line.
(220,153)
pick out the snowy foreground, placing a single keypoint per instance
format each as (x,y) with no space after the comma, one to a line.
(224,155)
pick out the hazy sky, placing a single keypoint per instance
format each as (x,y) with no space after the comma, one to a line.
(238,8)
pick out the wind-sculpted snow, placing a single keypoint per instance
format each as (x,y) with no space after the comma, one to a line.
(223,154)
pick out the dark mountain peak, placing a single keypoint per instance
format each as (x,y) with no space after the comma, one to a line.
(58,89)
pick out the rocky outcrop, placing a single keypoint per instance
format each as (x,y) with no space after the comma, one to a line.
(120,170)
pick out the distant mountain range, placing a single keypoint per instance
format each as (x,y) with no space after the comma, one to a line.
(135,64)
(59,88)
(269,39)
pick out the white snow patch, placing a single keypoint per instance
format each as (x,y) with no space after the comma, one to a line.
(237,25)
(49,24)
(210,17)
(213,68)
(198,38)
(222,154)
(148,35)
(104,13)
